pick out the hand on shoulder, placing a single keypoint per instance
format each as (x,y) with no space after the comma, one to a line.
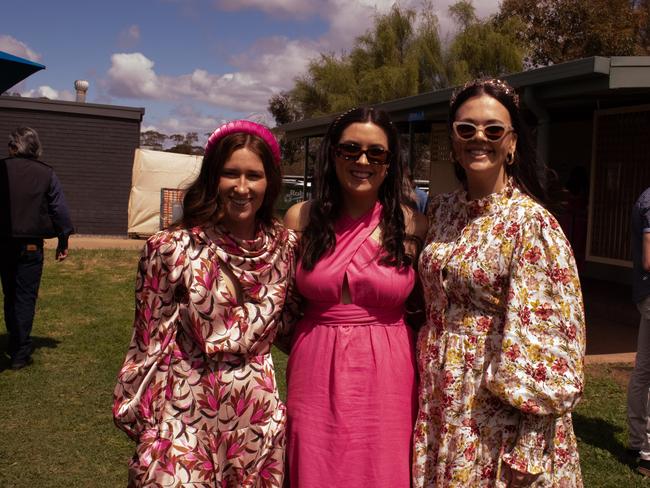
(297,217)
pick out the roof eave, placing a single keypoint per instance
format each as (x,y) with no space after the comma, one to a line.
(588,75)
(95,109)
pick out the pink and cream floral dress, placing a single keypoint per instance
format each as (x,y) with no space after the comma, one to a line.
(197,391)
(501,354)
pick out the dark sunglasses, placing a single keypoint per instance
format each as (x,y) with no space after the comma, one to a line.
(352,152)
(493,132)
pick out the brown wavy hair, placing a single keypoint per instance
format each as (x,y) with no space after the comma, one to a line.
(201,205)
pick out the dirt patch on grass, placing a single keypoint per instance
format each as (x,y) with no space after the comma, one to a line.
(619,373)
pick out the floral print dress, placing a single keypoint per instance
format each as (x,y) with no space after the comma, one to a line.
(197,391)
(501,354)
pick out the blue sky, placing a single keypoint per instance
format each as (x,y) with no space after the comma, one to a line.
(192,64)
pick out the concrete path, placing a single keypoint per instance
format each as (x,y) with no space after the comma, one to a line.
(98,242)
(624,357)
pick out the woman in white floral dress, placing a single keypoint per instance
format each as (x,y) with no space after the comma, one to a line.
(501,354)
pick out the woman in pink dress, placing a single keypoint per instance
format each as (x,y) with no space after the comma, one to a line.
(351,372)
(197,390)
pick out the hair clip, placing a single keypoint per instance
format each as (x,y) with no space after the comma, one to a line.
(338,119)
(496,83)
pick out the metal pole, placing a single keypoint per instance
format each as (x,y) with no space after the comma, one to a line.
(411,161)
(305,170)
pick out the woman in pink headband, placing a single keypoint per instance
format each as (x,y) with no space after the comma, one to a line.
(197,391)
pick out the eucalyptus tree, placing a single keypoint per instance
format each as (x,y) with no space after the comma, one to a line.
(555,31)
(400,55)
(490,47)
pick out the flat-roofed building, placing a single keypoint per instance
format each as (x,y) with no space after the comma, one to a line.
(91,148)
(591,118)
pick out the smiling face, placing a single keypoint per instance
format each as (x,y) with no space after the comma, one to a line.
(482,160)
(242,185)
(360,178)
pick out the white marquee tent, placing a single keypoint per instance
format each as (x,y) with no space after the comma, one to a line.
(154,171)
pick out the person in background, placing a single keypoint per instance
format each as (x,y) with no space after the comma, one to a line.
(197,390)
(638,415)
(32,208)
(419,197)
(351,372)
(501,355)
(573,216)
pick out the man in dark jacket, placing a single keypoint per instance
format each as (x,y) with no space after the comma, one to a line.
(32,208)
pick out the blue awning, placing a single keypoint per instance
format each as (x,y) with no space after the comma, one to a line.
(14,70)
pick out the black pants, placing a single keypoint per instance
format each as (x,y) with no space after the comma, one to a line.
(21,267)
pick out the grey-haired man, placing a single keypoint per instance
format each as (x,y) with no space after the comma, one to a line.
(32,207)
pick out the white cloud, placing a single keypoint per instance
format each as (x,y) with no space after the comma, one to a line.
(13,46)
(484,8)
(268,67)
(129,37)
(237,91)
(131,75)
(294,8)
(358,17)
(48,92)
(276,61)
(348,19)
(186,118)
(327,9)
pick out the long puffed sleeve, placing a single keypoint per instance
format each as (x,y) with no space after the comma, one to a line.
(292,311)
(59,213)
(138,396)
(539,369)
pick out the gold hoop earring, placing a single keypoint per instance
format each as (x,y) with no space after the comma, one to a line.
(510,158)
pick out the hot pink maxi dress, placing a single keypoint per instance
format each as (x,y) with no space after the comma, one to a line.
(351,373)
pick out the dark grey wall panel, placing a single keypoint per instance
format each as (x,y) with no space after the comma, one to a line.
(91,154)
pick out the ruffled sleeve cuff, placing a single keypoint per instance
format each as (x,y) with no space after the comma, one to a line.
(529,454)
(525,459)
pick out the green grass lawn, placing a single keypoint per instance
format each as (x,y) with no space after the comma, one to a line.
(56,428)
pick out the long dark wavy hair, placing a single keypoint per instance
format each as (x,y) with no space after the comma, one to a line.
(530,175)
(201,205)
(318,237)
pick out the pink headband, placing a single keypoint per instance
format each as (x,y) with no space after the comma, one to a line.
(247,127)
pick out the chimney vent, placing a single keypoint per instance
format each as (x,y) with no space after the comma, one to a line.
(82,87)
